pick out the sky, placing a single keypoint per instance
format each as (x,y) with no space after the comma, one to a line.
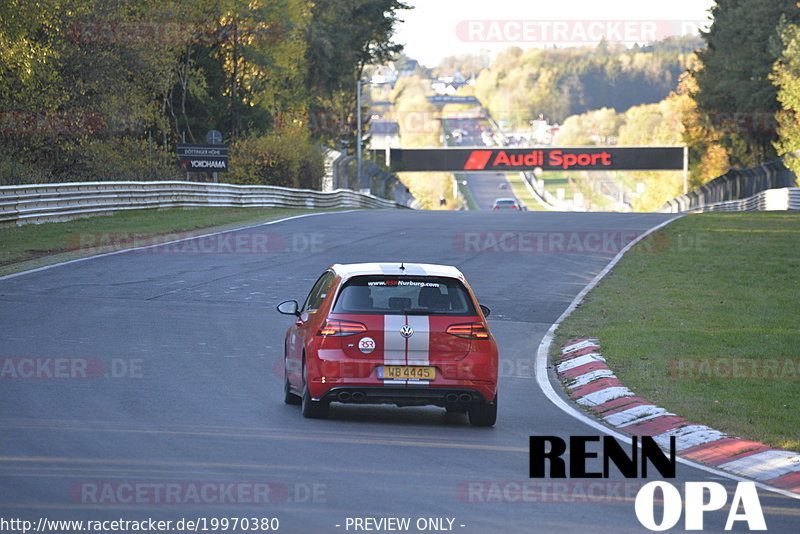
(435,29)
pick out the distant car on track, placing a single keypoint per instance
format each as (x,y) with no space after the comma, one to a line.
(506,204)
(379,333)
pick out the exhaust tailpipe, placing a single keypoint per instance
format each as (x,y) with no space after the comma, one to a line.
(359,396)
(465,397)
(451,397)
(343,396)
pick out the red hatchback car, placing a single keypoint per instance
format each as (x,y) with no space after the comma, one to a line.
(379,333)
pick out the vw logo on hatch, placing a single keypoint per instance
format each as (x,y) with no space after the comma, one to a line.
(406,330)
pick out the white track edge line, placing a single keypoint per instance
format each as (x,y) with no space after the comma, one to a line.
(104,254)
(543,379)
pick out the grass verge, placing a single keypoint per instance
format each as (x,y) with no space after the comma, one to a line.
(465,194)
(35,245)
(701,318)
(553,181)
(430,187)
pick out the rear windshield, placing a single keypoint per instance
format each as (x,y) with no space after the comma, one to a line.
(506,203)
(404,295)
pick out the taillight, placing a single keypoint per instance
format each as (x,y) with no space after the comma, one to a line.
(468,330)
(336,327)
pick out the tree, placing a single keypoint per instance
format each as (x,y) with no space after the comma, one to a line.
(733,75)
(415,115)
(343,37)
(81,70)
(786,76)
(598,127)
(103,89)
(557,83)
(708,158)
(466,64)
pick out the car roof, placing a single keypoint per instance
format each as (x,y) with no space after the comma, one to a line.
(411,269)
(505,200)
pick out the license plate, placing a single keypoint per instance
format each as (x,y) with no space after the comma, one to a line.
(404,372)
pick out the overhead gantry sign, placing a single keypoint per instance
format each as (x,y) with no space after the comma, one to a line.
(546,159)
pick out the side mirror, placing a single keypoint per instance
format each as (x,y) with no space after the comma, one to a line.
(288,308)
(486,311)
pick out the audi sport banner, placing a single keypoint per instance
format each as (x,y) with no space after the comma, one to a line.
(548,159)
(203,158)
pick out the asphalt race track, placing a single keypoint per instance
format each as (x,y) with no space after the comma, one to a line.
(485,188)
(191,345)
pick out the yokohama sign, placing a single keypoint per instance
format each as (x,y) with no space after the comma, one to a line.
(203,158)
(547,159)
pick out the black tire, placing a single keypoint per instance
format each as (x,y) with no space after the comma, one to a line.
(312,409)
(288,396)
(483,414)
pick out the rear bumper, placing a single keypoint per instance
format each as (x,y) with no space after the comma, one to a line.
(406,396)
(332,370)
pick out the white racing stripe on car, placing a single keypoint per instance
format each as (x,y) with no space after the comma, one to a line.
(419,343)
(401,351)
(415,270)
(394,345)
(392,269)
(372,268)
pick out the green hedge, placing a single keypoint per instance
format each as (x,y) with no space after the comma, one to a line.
(288,160)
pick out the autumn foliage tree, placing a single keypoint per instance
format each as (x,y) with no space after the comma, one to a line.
(786,77)
(103,89)
(733,90)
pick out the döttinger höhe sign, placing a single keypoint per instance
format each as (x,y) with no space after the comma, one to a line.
(203,158)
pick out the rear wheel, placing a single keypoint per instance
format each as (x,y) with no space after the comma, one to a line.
(483,414)
(313,409)
(288,396)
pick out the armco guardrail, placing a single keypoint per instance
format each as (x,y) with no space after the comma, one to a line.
(785,199)
(22,204)
(735,184)
(341,172)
